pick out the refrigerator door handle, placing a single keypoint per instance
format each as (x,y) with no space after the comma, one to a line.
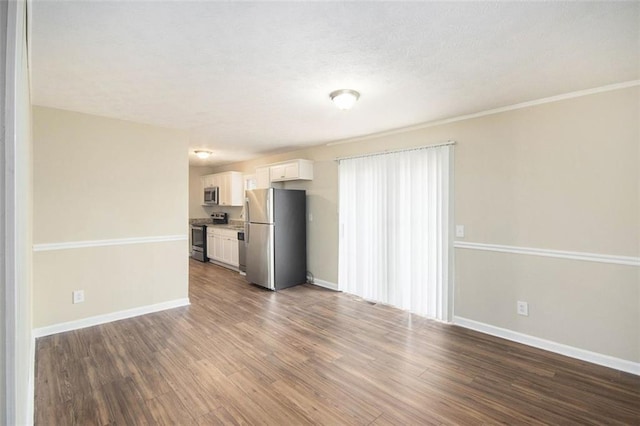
(246,232)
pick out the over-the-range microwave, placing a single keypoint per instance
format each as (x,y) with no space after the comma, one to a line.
(211,195)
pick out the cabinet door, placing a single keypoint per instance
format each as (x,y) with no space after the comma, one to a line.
(208,181)
(291,171)
(236,189)
(250,182)
(210,244)
(218,248)
(230,255)
(263,178)
(224,189)
(277,173)
(287,171)
(226,250)
(234,259)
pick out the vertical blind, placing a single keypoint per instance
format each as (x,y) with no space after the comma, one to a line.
(394,229)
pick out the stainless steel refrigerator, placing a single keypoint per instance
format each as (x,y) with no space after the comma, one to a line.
(276,237)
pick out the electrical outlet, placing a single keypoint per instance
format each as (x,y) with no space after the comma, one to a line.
(460,231)
(78,296)
(310,217)
(523,308)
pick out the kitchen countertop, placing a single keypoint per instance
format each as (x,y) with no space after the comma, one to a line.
(236,225)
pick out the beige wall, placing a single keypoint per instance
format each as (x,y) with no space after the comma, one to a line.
(102,179)
(561,176)
(114,278)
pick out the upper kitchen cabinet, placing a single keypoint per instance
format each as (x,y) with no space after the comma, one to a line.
(291,170)
(208,181)
(263,177)
(231,189)
(249,182)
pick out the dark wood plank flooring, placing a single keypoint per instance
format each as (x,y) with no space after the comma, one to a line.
(244,355)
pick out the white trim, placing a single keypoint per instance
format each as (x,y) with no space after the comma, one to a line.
(573,255)
(548,345)
(521,105)
(10,232)
(325,284)
(110,317)
(104,243)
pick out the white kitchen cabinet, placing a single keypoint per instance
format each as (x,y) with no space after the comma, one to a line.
(208,181)
(210,245)
(218,247)
(222,246)
(263,177)
(249,182)
(230,251)
(292,170)
(231,187)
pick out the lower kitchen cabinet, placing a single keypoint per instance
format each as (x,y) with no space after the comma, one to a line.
(222,246)
(230,252)
(210,245)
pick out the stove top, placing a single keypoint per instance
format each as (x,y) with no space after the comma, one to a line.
(220,218)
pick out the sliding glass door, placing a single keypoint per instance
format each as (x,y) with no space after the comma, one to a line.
(394,229)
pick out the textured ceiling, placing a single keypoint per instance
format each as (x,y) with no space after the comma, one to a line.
(248,78)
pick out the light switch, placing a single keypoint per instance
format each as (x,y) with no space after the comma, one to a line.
(460,231)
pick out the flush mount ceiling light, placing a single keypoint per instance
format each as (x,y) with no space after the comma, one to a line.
(344,98)
(203,154)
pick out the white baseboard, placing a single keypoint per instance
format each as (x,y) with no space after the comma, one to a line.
(110,317)
(225,265)
(325,284)
(559,348)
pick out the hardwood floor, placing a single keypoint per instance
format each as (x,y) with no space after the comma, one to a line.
(244,355)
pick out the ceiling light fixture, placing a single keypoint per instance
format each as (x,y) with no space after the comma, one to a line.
(344,98)
(203,154)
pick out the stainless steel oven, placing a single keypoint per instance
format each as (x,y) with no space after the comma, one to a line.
(199,242)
